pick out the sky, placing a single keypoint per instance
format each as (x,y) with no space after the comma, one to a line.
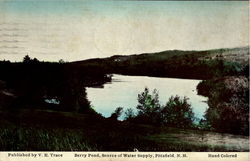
(83,29)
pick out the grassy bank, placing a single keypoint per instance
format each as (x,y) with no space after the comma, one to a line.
(38,131)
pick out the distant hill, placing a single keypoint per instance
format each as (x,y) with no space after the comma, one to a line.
(240,55)
(174,63)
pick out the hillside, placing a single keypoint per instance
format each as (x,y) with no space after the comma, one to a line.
(239,55)
(175,63)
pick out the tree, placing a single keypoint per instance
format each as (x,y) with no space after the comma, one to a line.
(129,114)
(149,106)
(117,113)
(61,61)
(26,59)
(72,95)
(228,104)
(178,112)
(35,60)
(148,103)
(230,117)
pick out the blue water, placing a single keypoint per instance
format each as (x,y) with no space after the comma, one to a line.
(123,92)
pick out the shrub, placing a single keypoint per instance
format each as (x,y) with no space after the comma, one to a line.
(117,113)
(129,114)
(177,112)
(228,104)
(149,107)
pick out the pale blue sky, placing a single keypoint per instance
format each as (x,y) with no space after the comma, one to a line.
(75,30)
(116,7)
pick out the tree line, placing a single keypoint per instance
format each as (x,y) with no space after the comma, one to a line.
(33,81)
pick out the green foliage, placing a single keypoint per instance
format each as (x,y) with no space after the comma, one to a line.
(178,112)
(35,139)
(149,107)
(212,116)
(129,114)
(204,125)
(228,104)
(229,117)
(232,68)
(148,103)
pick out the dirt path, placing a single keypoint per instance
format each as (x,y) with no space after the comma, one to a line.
(231,142)
(237,142)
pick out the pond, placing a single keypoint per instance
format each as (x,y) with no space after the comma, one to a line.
(123,91)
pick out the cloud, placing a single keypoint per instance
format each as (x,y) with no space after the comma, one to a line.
(12,35)
(10,47)
(10,53)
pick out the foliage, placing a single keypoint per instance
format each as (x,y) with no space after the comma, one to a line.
(61,61)
(178,112)
(148,103)
(129,114)
(27,59)
(149,107)
(204,125)
(32,82)
(117,113)
(228,104)
(32,139)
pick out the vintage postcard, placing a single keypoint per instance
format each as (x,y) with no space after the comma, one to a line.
(124,80)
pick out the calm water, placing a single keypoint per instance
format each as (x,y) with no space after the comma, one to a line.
(123,92)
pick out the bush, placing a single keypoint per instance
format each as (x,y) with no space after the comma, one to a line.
(117,113)
(129,114)
(178,112)
(228,104)
(149,107)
